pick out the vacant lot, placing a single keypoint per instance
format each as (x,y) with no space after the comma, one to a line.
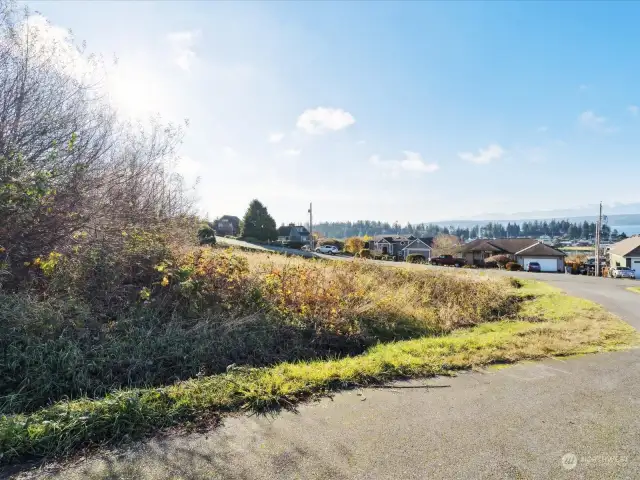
(220,330)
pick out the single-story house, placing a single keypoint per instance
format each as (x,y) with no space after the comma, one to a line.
(626,254)
(522,250)
(293,234)
(401,246)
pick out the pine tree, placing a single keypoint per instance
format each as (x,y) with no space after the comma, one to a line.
(258,224)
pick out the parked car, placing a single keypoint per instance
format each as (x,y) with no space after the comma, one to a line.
(447,260)
(328,249)
(534,267)
(622,272)
(306,248)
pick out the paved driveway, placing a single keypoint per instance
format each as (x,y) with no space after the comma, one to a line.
(514,423)
(611,293)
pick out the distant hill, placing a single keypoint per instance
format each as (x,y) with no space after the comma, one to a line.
(623,214)
(618,220)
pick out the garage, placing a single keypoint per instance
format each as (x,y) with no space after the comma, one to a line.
(546,264)
(626,254)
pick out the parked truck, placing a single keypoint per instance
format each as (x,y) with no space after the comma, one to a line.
(447,261)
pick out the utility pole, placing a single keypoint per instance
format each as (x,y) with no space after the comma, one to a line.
(311,225)
(598,228)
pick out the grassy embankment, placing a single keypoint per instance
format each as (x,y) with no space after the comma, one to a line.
(299,328)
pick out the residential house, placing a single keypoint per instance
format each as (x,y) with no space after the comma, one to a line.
(522,250)
(626,254)
(227,225)
(293,234)
(401,246)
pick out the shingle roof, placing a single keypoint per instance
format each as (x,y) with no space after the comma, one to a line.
(541,250)
(284,230)
(426,240)
(626,246)
(499,245)
(392,238)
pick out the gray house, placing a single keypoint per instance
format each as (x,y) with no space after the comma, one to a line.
(293,234)
(401,245)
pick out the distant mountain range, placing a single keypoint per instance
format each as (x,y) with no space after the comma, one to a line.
(623,214)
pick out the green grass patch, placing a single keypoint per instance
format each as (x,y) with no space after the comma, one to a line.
(546,327)
(634,289)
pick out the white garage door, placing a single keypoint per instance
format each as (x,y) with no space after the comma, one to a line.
(546,264)
(635,264)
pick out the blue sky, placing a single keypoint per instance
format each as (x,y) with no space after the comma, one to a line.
(392,111)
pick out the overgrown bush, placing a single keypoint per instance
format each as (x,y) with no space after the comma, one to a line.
(365,253)
(500,260)
(513,266)
(206,235)
(169,313)
(489,264)
(354,245)
(416,258)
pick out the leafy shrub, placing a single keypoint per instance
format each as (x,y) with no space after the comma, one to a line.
(206,235)
(513,266)
(416,258)
(354,244)
(365,253)
(469,266)
(490,264)
(295,245)
(500,260)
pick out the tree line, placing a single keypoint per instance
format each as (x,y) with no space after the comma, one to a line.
(531,228)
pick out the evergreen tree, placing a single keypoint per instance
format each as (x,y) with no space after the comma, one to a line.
(258,224)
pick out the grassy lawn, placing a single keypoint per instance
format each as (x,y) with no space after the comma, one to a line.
(547,323)
(634,289)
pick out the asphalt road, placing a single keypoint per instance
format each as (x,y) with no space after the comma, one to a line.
(518,422)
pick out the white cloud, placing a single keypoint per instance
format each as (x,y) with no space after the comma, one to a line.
(292,152)
(590,121)
(412,162)
(322,119)
(633,110)
(182,47)
(276,137)
(229,152)
(484,155)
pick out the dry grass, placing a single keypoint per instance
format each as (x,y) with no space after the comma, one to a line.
(634,289)
(533,321)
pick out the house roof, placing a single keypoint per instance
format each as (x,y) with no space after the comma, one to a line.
(285,230)
(541,250)
(426,241)
(626,246)
(393,238)
(506,245)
